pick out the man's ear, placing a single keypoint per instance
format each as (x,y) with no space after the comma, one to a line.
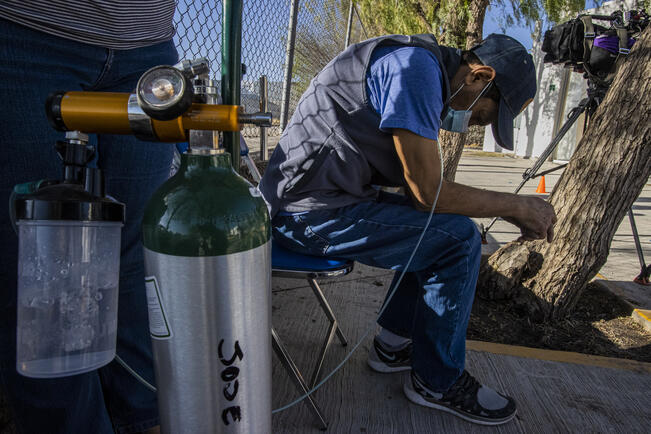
(482,73)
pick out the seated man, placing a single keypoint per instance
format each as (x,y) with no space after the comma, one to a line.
(371,117)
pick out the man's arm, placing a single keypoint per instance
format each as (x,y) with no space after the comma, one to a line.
(422,169)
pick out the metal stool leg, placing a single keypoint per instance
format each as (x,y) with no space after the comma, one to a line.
(296,377)
(334,328)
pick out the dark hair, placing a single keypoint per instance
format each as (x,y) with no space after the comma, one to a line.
(470,58)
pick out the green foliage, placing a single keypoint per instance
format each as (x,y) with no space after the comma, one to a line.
(529,12)
(405,17)
(560,10)
(322,24)
(415,16)
(320,36)
(448,18)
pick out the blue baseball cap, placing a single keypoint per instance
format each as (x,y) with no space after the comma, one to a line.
(515,78)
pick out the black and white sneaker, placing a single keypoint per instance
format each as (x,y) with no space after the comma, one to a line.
(466,398)
(385,360)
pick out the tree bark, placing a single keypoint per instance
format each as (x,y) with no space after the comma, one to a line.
(601,182)
(452,144)
(475,26)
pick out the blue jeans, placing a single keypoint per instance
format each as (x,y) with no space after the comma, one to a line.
(33,65)
(432,303)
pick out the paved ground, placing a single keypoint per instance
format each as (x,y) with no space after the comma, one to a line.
(556,392)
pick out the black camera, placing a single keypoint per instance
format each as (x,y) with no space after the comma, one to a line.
(595,49)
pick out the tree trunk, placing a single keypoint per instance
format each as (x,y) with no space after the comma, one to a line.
(601,182)
(475,26)
(452,144)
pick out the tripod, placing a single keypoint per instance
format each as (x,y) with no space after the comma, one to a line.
(596,93)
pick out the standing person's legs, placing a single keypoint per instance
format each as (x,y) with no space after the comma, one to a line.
(133,170)
(34,65)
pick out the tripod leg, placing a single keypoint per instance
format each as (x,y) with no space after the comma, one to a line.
(643,277)
(572,118)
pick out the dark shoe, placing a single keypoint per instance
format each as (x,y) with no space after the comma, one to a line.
(382,359)
(466,398)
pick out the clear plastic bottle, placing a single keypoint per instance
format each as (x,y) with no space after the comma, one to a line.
(68,274)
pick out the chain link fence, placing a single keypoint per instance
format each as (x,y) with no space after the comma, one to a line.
(320,34)
(198,31)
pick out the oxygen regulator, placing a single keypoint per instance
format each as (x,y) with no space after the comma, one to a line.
(169,101)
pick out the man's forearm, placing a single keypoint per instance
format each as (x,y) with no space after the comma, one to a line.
(474,202)
(422,170)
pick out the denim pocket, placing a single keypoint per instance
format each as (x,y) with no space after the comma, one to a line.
(317,243)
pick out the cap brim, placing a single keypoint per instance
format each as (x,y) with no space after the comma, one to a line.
(503,127)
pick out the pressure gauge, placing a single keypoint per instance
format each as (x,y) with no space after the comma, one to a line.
(164,93)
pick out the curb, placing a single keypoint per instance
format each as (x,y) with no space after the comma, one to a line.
(559,356)
(643,317)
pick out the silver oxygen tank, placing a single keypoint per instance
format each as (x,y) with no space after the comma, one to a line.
(208,266)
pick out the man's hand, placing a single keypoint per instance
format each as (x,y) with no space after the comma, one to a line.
(535,218)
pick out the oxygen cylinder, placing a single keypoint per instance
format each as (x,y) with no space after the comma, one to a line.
(208,278)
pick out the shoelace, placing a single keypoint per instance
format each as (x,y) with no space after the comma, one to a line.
(463,393)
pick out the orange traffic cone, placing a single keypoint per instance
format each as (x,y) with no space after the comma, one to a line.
(541,185)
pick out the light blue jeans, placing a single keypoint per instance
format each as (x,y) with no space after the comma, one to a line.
(432,303)
(34,64)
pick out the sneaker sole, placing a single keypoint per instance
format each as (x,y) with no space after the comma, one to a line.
(416,398)
(383,368)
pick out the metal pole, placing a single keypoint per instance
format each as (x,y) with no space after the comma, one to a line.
(636,238)
(232,70)
(361,24)
(289,63)
(560,105)
(264,98)
(350,23)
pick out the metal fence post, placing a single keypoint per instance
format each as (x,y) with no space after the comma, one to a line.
(361,24)
(232,70)
(289,63)
(264,98)
(350,23)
